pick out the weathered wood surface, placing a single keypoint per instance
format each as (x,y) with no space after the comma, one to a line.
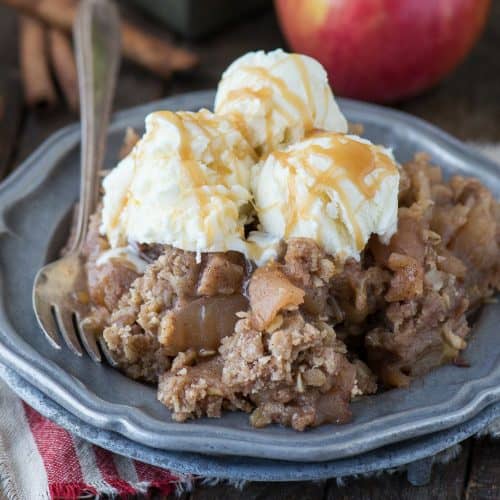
(467,105)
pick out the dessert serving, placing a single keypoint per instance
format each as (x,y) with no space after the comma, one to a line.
(262,258)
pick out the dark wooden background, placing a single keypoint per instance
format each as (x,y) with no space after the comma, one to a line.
(467,105)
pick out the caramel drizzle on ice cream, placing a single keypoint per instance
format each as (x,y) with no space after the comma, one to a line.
(306,82)
(305,108)
(291,97)
(350,161)
(202,187)
(200,179)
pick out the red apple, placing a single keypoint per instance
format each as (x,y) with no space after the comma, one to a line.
(383,50)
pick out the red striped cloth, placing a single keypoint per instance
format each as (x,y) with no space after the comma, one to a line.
(39,459)
(74,466)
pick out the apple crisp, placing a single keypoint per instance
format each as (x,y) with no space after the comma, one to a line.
(294,341)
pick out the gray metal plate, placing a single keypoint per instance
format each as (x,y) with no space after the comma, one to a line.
(36,198)
(416,454)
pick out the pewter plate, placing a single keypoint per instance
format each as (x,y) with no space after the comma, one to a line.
(417,455)
(34,203)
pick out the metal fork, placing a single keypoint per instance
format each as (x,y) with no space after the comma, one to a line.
(59,286)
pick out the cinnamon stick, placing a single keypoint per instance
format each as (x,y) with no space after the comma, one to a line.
(64,66)
(39,89)
(156,54)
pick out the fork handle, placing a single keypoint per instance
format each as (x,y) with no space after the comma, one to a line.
(97,51)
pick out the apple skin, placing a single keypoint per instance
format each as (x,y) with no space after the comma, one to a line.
(383,50)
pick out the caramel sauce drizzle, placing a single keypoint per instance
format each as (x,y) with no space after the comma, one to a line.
(113,223)
(306,83)
(291,97)
(239,122)
(208,126)
(185,151)
(198,179)
(307,110)
(351,160)
(217,144)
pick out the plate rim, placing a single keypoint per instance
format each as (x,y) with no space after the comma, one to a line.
(129,420)
(410,453)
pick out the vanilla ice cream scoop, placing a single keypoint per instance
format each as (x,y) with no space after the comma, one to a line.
(336,189)
(276,98)
(186,183)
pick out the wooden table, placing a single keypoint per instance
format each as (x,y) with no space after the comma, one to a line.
(467,105)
